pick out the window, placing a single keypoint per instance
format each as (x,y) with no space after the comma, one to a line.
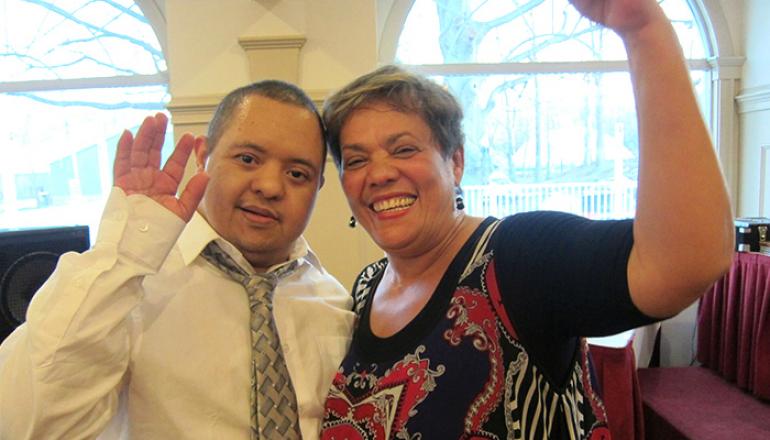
(73,75)
(550,120)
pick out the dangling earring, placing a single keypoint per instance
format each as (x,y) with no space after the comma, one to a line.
(459,198)
(352,222)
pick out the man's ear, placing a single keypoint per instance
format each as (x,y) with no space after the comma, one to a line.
(201,151)
(321,182)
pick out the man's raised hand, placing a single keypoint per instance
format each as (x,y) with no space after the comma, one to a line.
(137,167)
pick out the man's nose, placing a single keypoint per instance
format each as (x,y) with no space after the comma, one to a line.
(268,180)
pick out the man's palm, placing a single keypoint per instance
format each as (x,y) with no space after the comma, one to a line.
(137,168)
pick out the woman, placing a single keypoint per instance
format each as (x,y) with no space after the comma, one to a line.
(472,327)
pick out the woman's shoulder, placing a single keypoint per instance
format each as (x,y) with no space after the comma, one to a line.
(370,272)
(365,281)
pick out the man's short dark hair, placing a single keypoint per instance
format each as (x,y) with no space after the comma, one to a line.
(280,91)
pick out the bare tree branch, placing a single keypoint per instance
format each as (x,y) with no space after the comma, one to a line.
(96,38)
(516,13)
(88,58)
(38,61)
(122,9)
(461,32)
(503,87)
(97,29)
(546,41)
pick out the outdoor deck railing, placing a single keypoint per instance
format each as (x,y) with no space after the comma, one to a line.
(596,200)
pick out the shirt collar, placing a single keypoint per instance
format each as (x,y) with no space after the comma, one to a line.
(198,234)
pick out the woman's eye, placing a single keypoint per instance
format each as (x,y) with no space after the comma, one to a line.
(353,163)
(405,150)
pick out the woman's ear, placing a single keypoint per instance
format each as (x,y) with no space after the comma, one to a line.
(458,164)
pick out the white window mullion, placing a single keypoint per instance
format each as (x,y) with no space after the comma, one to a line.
(530,68)
(160,78)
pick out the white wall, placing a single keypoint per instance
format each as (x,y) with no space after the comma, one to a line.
(205,58)
(754,108)
(755,40)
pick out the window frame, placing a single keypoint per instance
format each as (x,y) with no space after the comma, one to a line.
(723,66)
(154,12)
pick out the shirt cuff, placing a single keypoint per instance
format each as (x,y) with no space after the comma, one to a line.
(141,228)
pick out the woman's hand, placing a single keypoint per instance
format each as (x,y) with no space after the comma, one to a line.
(622,16)
(137,167)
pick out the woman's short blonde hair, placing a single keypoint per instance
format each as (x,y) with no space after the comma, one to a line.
(406,92)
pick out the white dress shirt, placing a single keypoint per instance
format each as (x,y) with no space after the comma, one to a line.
(142,338)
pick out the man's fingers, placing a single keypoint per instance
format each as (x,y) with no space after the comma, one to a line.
(176,164)
(123,155)
(193,193)
(142,142)
(159,137)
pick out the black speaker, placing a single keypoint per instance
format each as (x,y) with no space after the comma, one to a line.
(27,259)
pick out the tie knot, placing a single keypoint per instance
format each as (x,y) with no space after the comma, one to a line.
(266,281)
(258,286)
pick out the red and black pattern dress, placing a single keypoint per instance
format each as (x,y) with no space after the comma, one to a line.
(495,354)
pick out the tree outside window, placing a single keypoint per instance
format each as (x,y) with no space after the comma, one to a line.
(549,113)
(73,75)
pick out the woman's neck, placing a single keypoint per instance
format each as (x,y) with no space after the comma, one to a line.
(406,268)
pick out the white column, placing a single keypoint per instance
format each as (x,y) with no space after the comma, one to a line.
(724,117)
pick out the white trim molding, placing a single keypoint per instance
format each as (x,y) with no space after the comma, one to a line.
(277,42)
(155,12)
(274,57)
(754,99)
(193,110)
(764,180)
(725,126)
(726,67)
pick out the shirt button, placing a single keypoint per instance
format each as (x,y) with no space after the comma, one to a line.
(144,228)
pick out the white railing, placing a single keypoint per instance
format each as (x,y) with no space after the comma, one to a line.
(596,200)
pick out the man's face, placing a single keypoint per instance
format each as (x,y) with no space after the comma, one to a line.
(265,172)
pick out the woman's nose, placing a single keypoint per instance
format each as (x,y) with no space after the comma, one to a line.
(381,172)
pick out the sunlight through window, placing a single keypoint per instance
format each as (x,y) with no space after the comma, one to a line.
(549,112)
(73,75)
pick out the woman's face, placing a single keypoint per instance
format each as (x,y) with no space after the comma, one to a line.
(397,183)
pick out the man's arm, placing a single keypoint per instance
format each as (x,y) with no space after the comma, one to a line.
(61,372)
(683,233)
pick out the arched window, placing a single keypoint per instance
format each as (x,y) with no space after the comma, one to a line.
(550,120)
(73,75)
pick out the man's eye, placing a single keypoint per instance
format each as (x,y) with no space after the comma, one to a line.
(246,158)
(299,175)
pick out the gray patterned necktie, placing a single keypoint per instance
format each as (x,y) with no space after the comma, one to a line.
(273,402)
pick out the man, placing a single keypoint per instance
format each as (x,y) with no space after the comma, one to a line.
(150,333)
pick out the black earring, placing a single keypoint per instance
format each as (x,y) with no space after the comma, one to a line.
(352,222)
(459,198)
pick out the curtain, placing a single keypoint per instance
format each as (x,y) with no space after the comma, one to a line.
(734,324)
